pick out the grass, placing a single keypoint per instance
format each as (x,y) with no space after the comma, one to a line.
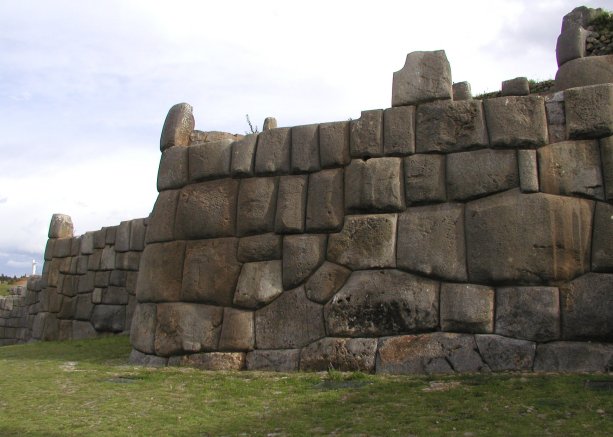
(4,289)
(86,388)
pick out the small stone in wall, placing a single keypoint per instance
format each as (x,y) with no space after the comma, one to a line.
(326,281)
(302,254)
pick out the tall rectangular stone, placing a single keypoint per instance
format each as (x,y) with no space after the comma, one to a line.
(291,204)
(122,238)
(374,185)
(257,200)
(137,234)
(399,131)
(366,140)
(528,171)
(161,275)
(162,223)
(305,149)
(325,201)
(334,144)
(606,153)
(243,156)
(172,173)
(273,152)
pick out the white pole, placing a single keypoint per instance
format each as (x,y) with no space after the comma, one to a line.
(33,267)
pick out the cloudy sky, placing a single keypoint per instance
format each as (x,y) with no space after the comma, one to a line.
(85,85)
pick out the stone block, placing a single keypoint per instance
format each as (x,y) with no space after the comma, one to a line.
(461,91)
(592,70)
(374,185)
(589,111)
(70,286)
(210,272)
(109,318)
(61,248)
(161,273)
(49,248)
(162,223)
(84,308)
(243,156)
(128,260)
(93,261)
(258,284)
(173,170)
(67,309)
(237,331)
(291,204)
(343,354)
(334,144)
(366,241)
(131,282)
(516,121)
(326,281)
(199,137)
(431,241)
(100,238)
(109,236)
(137,234)
(101,279)
(207,210)
(75,249)
(587,308)
(602,241)
(424,178)
(571,168)
(366,135)
(138,358)
(606,152)
(571,356)
(280,360)
(547,238)
(118,278)
(256,206)
(87,243)
(399,131)
(556,117)
(122,237)
(115,296)
(46,327)
(467,308)
(107,259)
(383,302)
(269,123)
(302,255)
(290,321)
(178,126)
(214,361)
(426,76)
(86,282)
(60,226)
(571,44)
(528,171)
(450,126)
(305,149)
(325,210)
(528,313)
(579,16)
(263,247)
(515,87)
(439,352)
(142,331)
(506,354)
(82,330)
(273,152)
(210,160)
(480,173)
(187,328)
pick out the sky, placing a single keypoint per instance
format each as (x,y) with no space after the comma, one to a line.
(85,85)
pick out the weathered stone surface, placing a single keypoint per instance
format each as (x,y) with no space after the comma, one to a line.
(344,354)
(579,16)
(237,331)
(109,318)
(326,281)
(570,356)
(374,185)
(467,308)
(399,131)
(431,241)
(258,284)
(305,149)
(462,91)
(86,282)
(49,247)
(137,234)
(366,241)
(111,295)
(516,121)
(606,151)
(602,242)
(302,254)
(325,210)
(61,248)
(67,309)
(528,171)
(224,361)
(82,330)
(161,274)
(556,117)
(527,239)
(243,156)
(84,307)
(383,302)
(109,236)
(178,125)
(450,126)
(122,237)
(257,200)
(128,261)
(291,204)
(162,223)
(187,328)
(481,172)
(592,70)
(528,313)
(334,144)
(571,44)
(274,360)
(210,160)
(172,173)
(504,354)
(210,271)
(366,135)
(263,247)
(426,76)
(46,327)
(269,123)
(100,238)
(439,352)
(587,308)
(424,178)
(142,331)
(515,87)
(290,321)
(571,168)
(273,152)
(207,210)
(107,259)
(138,358)
(87,243)
(60,226)
(199,137)
(118,278)
(589,111)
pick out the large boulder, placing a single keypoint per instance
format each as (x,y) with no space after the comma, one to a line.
(161,273)
(426,76)
(589,111)
(516,121)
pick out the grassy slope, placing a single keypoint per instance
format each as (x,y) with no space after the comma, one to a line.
(86,388)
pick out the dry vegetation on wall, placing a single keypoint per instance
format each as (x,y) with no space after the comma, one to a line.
(600,41)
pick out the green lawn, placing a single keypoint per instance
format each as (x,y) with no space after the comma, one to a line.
(4,289)
(86,388)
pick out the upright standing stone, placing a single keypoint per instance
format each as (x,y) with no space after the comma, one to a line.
(325,209)
(426,76)
(462,91)
(305,149)
(516,87)
(399,131)
(367,135)
(528,171)
(334,144)
(243,156)
(273,152)
(571,44)
(60,226)
(178,126)
(269,123)
(291,204)
(556,117)
(257,200)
